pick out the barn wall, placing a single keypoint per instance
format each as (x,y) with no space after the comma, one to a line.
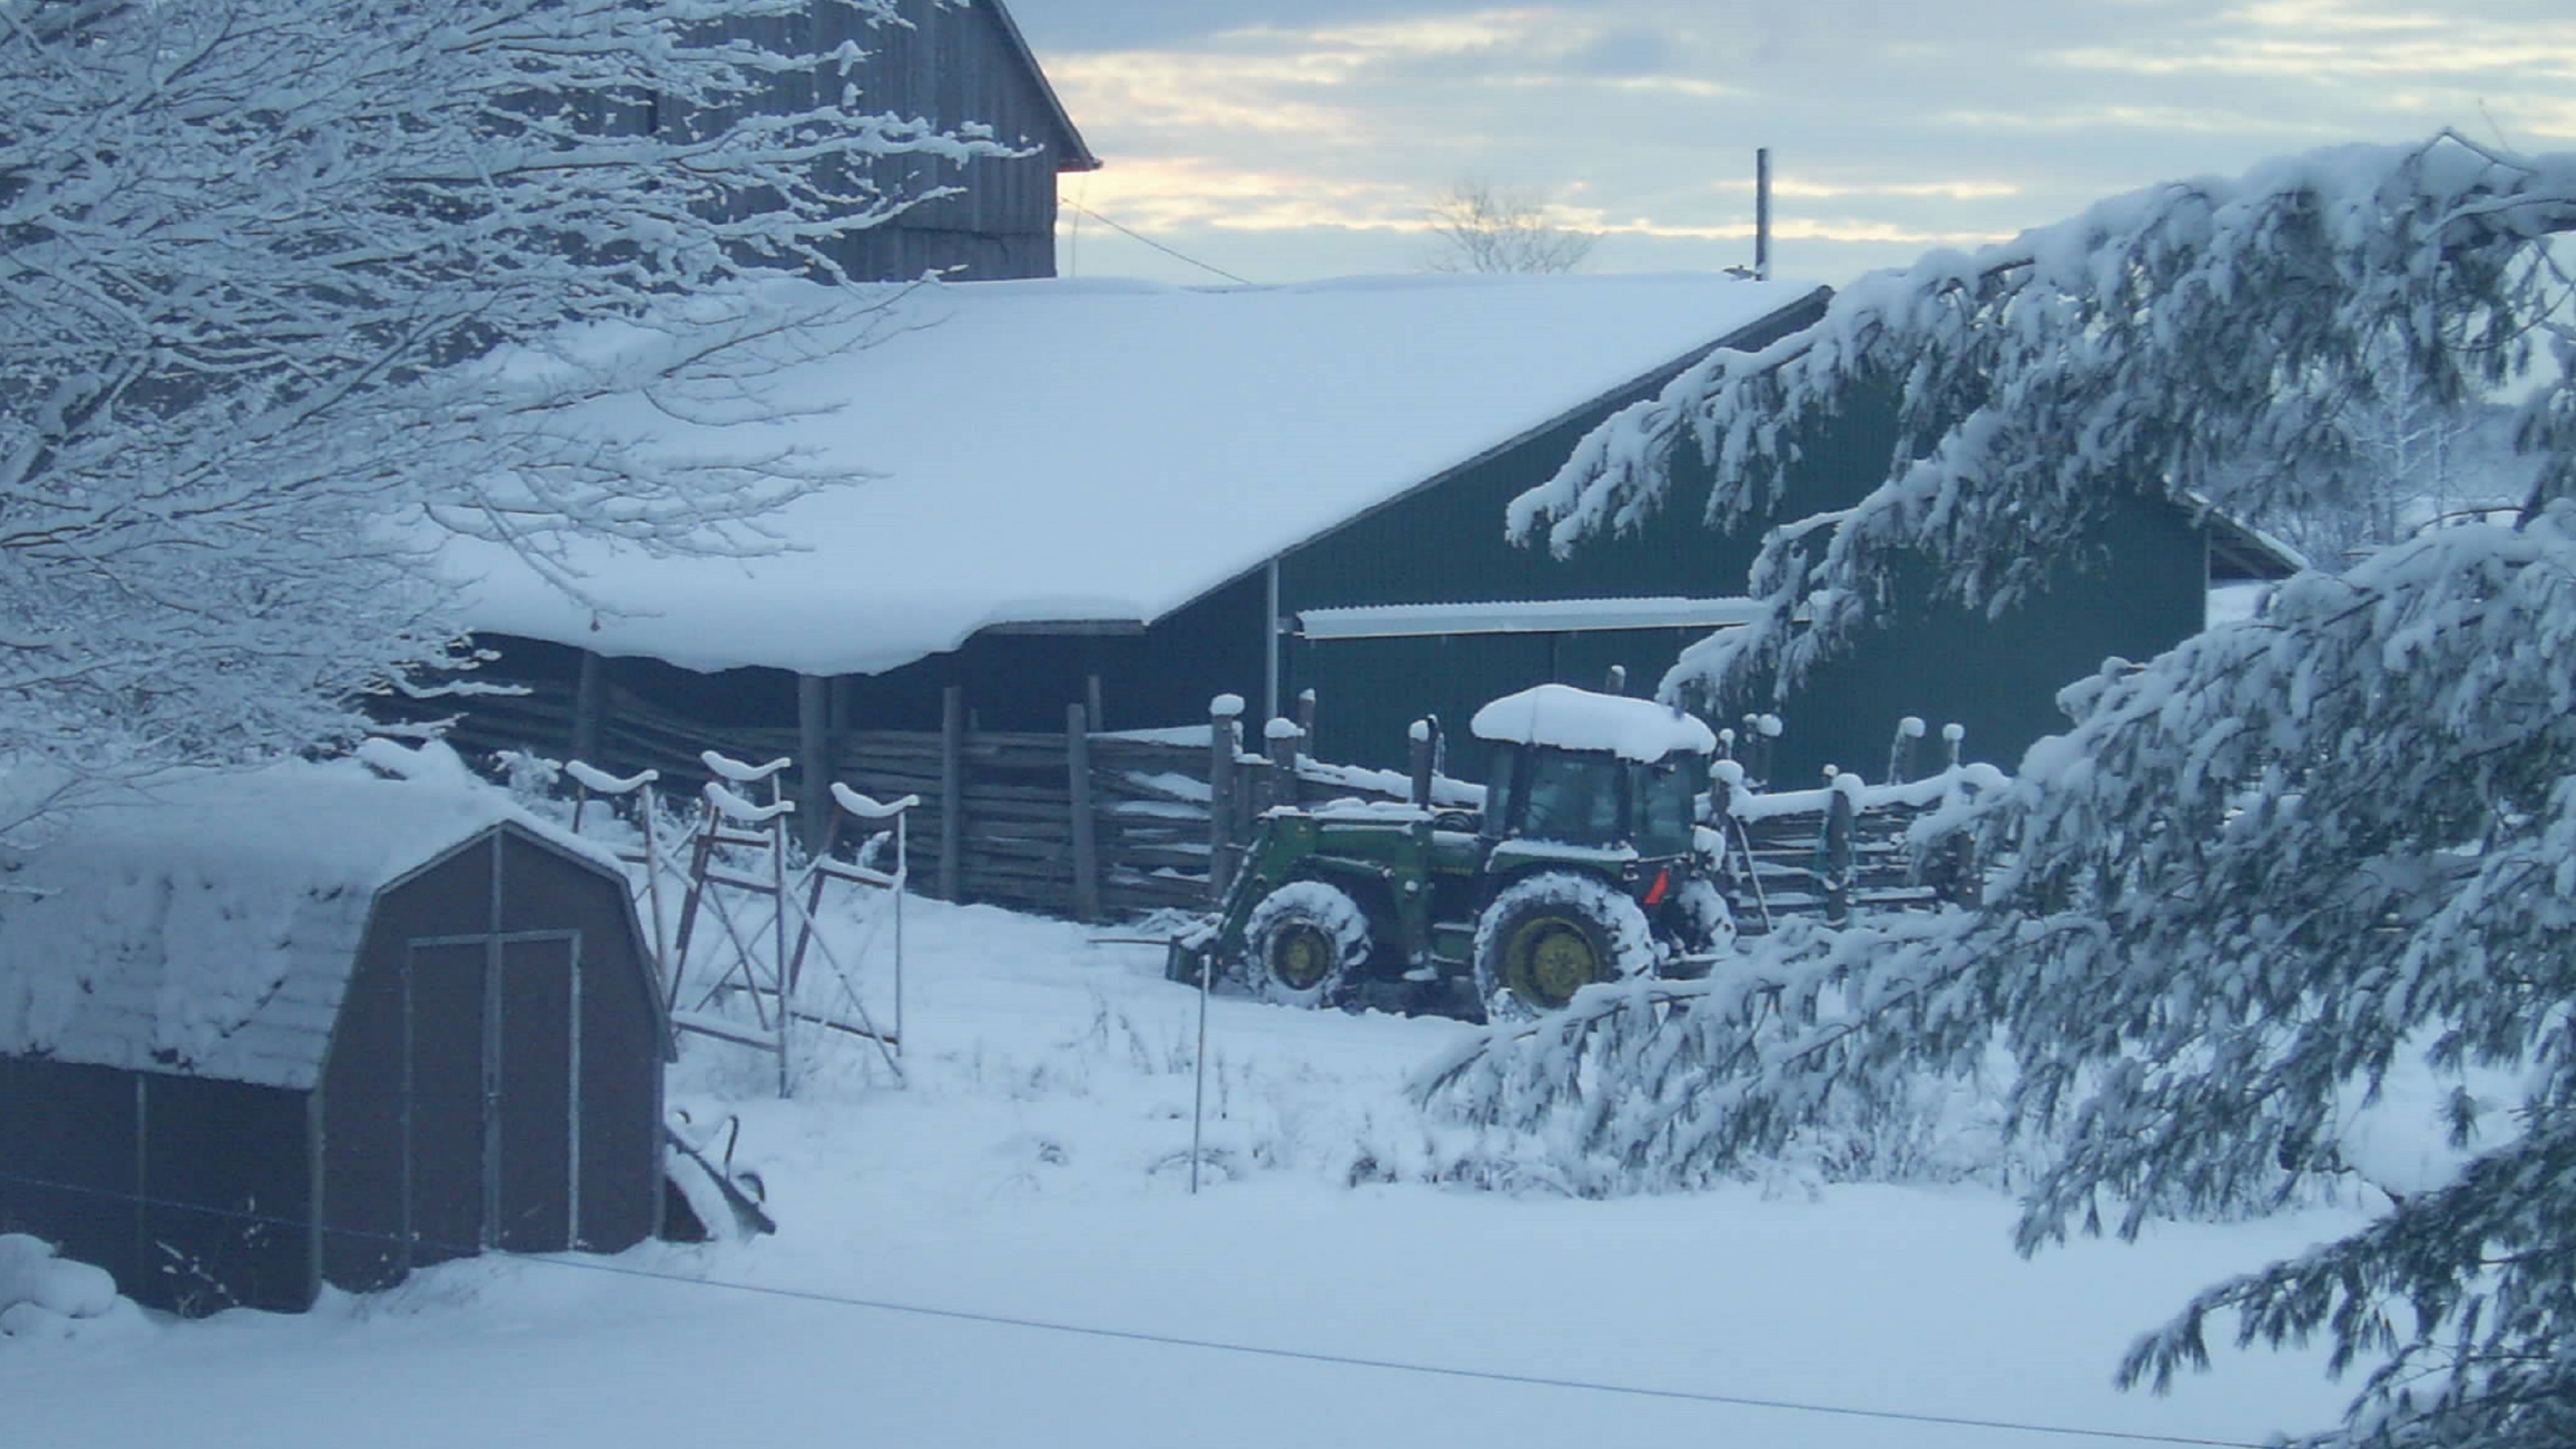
(950,65)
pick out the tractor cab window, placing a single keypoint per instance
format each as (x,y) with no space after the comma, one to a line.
(1570,797)
(1667,792)
(1500,788)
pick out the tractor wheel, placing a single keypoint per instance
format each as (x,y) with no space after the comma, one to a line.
(1548,936)
(1304,940)
(1701,924)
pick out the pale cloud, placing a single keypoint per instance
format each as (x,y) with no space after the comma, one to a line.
(2146,119)
(1304,137)
(1791,189)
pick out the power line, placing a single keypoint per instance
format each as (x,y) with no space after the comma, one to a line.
(1158,246)
(1164,1340)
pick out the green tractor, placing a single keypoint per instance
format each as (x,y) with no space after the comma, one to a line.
(1586,863)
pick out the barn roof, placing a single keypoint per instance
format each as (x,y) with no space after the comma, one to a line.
(207,924)
(1097,452)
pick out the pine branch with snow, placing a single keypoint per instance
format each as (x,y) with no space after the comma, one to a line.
(2263,875)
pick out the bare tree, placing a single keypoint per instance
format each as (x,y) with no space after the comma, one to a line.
(291,290)
(1479,227)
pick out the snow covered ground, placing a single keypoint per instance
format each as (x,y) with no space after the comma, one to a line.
(1034,1171)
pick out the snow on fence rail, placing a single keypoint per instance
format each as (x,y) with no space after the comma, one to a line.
(1097,825)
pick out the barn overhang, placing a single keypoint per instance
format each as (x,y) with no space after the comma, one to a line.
(1529,616)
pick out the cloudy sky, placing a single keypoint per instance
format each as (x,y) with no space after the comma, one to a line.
(1288,139)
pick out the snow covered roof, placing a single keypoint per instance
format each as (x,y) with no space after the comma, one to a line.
(207,925)
(1534,616)
(1102,452)
(1577,719)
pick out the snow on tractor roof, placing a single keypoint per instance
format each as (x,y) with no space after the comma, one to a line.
(1577,719)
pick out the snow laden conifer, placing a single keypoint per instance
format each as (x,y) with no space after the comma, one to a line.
(284,296)
(2263,874)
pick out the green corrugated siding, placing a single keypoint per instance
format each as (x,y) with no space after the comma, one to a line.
(1447,545)
(1998,677)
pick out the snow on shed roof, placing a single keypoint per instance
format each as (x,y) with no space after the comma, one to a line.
(1104,452)
(207,924)
(1577,719)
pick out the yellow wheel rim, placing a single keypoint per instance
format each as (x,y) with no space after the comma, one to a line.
(1301,958)
(1550,960)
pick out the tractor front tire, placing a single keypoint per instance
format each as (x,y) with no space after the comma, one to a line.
(1303,941)
(1547,936)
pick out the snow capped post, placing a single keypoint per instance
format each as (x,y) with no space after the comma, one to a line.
(1285,740)
(1306,720)
(1900,751)
(1224,738)
(952,786)
(1953,735)
(1840,815)
(1615,680)
(1759,732)
(1086,847)
(1424,738)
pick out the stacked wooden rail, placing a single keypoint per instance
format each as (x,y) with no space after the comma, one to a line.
(1096,825)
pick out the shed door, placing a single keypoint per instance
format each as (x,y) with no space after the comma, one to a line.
(443,1055)
(533,1170)
(492,1057)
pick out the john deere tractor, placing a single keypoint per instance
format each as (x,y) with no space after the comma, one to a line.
(1584,864)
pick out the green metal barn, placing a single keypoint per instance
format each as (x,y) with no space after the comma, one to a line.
(1145,496)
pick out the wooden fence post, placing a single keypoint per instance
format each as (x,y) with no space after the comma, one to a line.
(1425,746)
(814,812)
(952,787)
(1223,711)
(1284,739)
(1900,751)
(1838,850)
(1086,849)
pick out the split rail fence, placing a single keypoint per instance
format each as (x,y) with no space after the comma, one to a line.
(1104,825)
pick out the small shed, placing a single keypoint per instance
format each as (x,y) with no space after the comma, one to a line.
(264,1031)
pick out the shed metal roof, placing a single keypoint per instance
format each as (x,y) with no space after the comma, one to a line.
(208,926)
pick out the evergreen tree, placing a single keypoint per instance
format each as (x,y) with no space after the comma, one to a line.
(2262,871)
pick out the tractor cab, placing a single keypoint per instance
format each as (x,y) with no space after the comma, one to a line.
(1599,773)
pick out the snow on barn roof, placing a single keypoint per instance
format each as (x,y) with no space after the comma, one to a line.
(207,924)
(1102,452)
(1577,719)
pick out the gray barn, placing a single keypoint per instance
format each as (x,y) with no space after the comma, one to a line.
(263,1032)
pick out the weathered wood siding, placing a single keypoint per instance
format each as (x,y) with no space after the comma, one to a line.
(952,65)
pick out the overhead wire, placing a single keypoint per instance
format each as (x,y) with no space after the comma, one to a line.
(1173,1340)
(1158,246)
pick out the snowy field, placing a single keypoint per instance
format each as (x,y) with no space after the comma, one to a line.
(1031,1180)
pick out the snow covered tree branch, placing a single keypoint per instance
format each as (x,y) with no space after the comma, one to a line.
(2289,863)
(2128,351)
(284,294)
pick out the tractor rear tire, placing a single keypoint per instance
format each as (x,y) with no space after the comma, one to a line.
(1547,936)
(1304,941)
